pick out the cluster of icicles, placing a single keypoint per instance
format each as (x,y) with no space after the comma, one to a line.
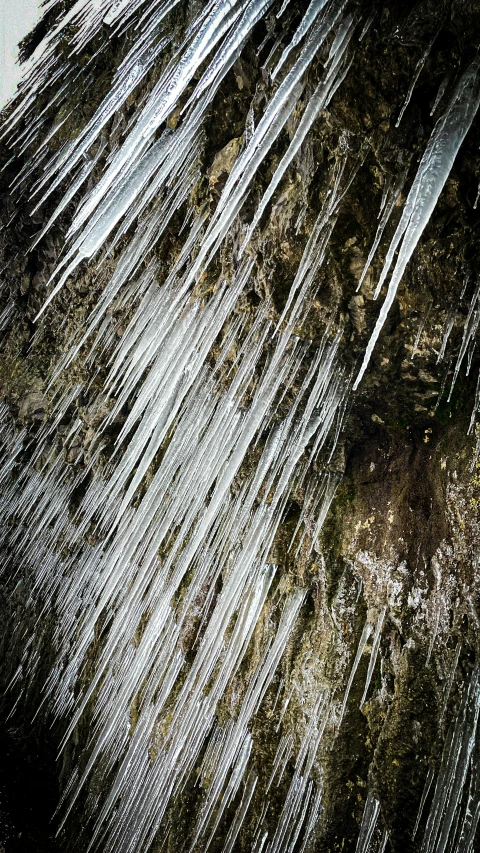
(170,512)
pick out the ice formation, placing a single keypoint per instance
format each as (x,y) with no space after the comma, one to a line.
(174,527)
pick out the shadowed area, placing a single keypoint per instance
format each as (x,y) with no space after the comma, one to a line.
(28,795)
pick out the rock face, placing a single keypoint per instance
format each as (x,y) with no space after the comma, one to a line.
(238,596)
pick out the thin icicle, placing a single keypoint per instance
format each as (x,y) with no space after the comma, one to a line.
(426,790)
(374,653)
(418,70)
(453,770)
(389,201)
(367,630)
(450,322)
(370,817)
(469,331)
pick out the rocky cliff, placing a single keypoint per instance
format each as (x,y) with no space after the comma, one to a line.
(240,459)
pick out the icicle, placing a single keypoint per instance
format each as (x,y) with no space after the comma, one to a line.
(421,327)
(383,842)
(366,27)
(446,334)
(476,406)
(471,817)
(283,755)
(367,630)
(319,100)
(469,330)
(373,654)
(432,174)
(389,202)
(426,790)
(282,8)
(418,70)
(448,686)
(369,821)
(6,315)
(236,825)
(440,93)
(477,197)
(307,21)
(453,771)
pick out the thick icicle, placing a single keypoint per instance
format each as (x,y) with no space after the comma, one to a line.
(430,179)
